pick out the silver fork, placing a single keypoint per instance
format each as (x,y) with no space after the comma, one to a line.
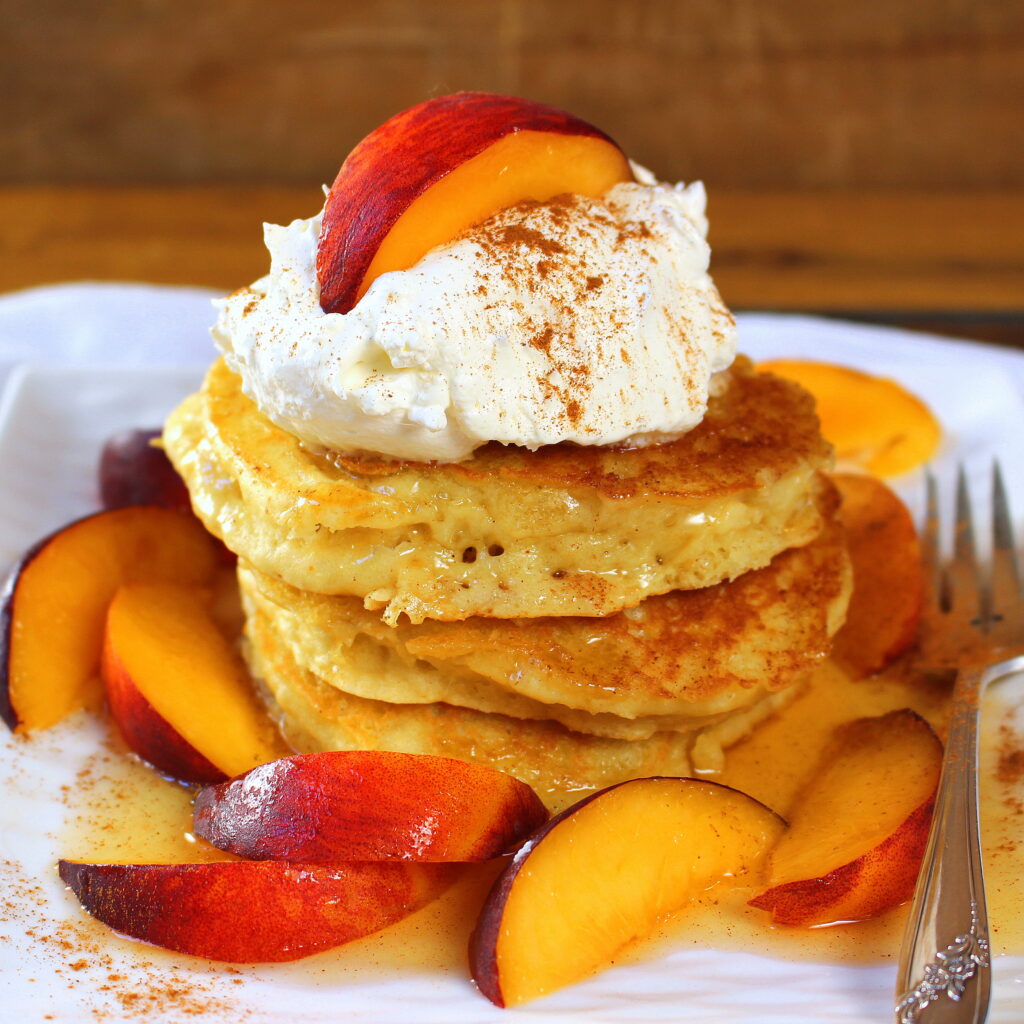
(973,625)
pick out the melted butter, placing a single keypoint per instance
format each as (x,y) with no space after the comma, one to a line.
(122,811)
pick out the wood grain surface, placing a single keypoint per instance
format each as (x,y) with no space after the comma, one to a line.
(741,93)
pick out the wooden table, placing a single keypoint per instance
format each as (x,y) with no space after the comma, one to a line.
(952,262)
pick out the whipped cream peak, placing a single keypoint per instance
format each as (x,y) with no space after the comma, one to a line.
(585,320)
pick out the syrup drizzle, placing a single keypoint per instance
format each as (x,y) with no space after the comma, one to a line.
(124,812)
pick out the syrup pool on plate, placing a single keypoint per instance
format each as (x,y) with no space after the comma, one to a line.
(125,812)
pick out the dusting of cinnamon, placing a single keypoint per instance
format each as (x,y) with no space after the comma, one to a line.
(542,341)
(519,234)
(533,245)
(1010,766)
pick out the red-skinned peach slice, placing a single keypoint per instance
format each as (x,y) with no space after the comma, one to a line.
(56,599)
(432,171)
(252,911)
(134,470)
(368,805)
(874,423)
(178,690)
(857,835)
(607,871)
(888,585)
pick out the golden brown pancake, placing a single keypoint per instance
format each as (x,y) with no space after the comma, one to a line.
(509,533)
(556,761)
(676,661)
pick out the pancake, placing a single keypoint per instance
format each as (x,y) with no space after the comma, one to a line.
(510,533)
(557,762)
(676,661)
(364,668)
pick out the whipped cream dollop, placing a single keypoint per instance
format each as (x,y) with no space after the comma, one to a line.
(577,319)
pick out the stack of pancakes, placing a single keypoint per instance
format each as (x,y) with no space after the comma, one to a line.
(575,616)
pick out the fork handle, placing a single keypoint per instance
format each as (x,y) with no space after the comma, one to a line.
(944,970)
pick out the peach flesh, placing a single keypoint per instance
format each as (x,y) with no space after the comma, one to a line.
(148,733)
(432,171)
(605,872)
(178,689)
(856,838)
(56,598)
(873,422)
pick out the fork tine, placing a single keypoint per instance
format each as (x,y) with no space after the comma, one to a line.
(965,596)
(931,554)
(1005,585)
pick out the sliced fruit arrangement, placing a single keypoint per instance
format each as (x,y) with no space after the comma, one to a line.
(605,872)
(253,911)
(178,689)
(432,171)
(873,422)
(888,585)
(56,600)
(135,470)
(365,815)
(856,837)
(369,805)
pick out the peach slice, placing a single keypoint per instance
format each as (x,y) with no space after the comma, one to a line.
(135,471)
(56,599)
(873,422)
(432,171)
(178,689)
(607,871)
(888,585)
(369,805)
(856,838)
(252,911)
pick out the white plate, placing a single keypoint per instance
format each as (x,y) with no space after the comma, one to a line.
(52,422)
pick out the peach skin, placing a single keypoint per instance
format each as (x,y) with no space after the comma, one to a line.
(252,911)
(432,171)
(368,805)
(135,471)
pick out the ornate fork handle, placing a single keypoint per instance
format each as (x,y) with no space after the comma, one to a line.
(944,972)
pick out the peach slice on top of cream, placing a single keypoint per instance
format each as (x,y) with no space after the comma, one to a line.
(485,268)
(432,171)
